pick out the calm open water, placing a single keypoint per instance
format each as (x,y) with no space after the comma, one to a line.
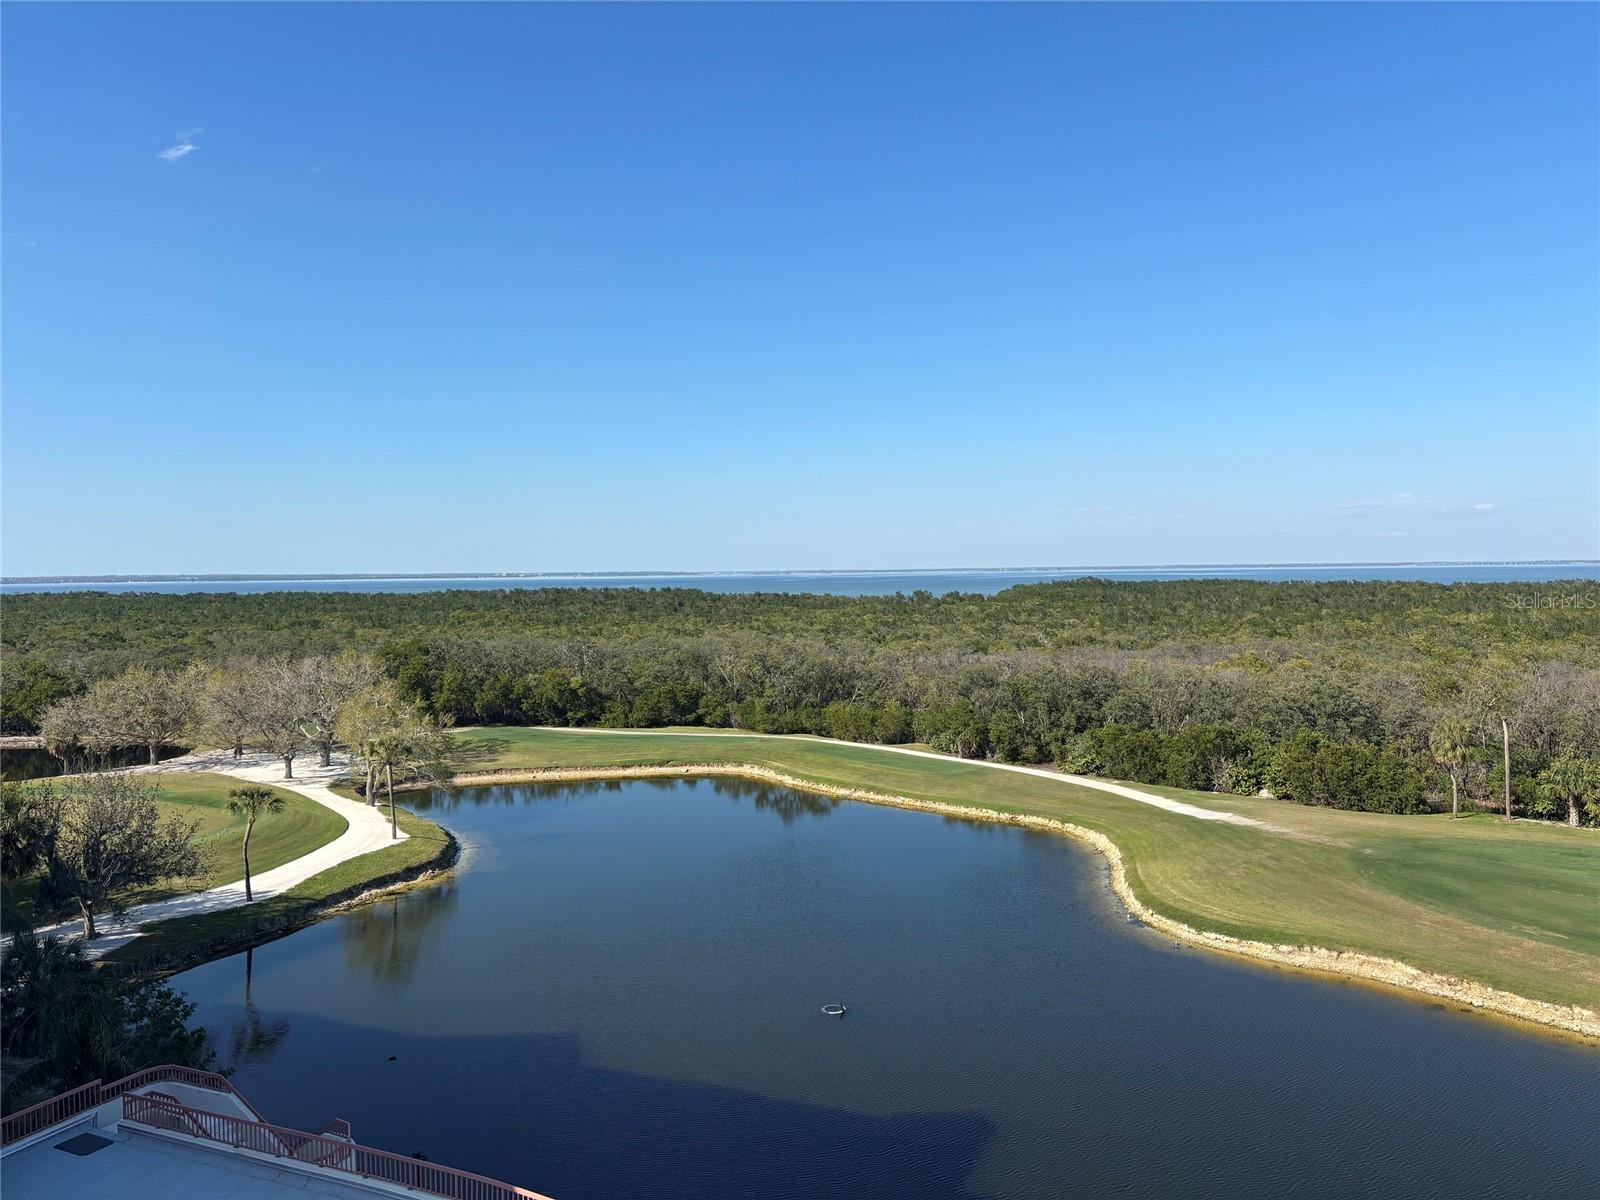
(618,995)
(862,583)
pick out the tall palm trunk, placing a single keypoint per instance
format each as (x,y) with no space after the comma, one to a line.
(88,919)
(388,774)
(249,828)
(1455,796)
(1505,747)
(372,784)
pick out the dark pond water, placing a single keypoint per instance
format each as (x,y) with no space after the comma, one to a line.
(41,764)
(619,996)
(852,583)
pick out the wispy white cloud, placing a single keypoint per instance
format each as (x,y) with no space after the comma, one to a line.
(183,145)
(1484,506)
(1395,500)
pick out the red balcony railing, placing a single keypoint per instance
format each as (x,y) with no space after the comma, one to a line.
(333,1153)
(49,1112)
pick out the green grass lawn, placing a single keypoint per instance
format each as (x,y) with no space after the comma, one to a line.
(1514,906)
(279,837)
(184,941)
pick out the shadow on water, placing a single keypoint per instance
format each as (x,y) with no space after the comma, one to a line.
(550,1120)
(619,998)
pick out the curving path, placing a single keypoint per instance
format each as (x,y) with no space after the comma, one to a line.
(1099,785)
(366,830)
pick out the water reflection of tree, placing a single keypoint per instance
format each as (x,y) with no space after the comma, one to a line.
(251,1037)
(510,795)
(787,803)
(385,937)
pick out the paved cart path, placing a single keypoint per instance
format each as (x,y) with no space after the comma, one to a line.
(1099,785)
(366,830)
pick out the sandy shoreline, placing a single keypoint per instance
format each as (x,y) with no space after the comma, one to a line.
(1347,964)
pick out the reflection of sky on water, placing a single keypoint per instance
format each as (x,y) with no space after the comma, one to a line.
(641,963)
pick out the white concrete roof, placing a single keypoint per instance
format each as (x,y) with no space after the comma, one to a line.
(137,1166)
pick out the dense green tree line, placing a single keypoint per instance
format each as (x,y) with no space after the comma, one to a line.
(1435,620)
(1327,693)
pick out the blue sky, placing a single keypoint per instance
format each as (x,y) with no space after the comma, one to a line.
(366,287)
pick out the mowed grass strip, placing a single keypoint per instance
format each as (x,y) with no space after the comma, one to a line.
(184,941)
(1514,906)
(279,838)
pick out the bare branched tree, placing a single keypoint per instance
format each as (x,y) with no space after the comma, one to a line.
(330,683)
(144,707)
(73,730)
(229,700)
(283,704)
(104,834)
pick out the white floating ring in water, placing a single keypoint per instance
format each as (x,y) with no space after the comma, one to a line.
(833,1010)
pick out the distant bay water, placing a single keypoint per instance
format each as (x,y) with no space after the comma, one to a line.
(834,583)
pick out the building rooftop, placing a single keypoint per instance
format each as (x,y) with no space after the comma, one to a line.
(135,1166)
(173,1133)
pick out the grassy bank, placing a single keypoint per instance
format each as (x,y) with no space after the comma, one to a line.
(186,941)
(280,837)
(1515,907)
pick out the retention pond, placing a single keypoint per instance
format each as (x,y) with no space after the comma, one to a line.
(619,994)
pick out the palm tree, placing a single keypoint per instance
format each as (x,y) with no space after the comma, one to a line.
(1450,744)
(1570,780)
(414,745)
(386,752)
(368,717)
(250,802)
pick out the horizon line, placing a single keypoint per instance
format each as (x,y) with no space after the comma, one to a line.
(323,576)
